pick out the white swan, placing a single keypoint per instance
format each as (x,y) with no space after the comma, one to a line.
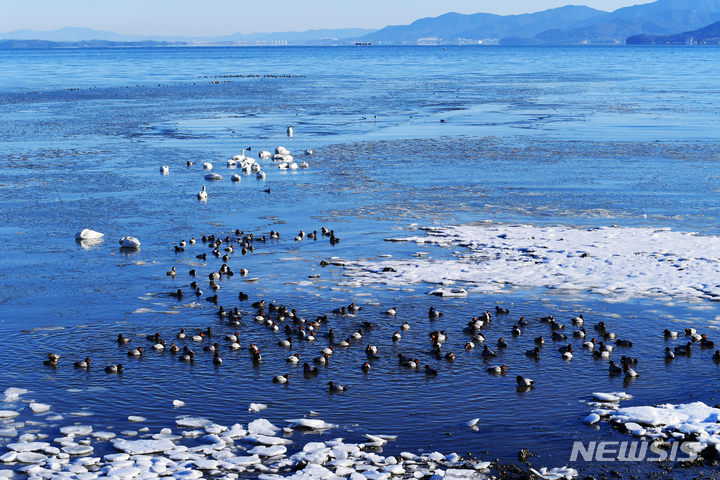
(213,176)
(165,170)
(290,130)
(87,234)
(256,167)
(260,176)
(231,163)
(265,154)
(309,152)
(282,150)
(129,242)
(247,169)
(203,194)
(304,165)
(293,166)
(283,166)
(207,166)
(236,178)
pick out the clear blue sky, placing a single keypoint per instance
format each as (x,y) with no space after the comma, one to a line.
(224,17)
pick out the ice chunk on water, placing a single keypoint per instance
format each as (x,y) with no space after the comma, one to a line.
(38,407)
(77,430)
(256,407)
(262,427)
(143,447)
(193,422)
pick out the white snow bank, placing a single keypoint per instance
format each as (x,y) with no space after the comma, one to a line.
(611,261)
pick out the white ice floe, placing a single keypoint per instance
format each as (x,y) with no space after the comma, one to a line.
(76,430)
(143,447)
(136,418)
(193,422)
(213,176)
(38,407)
(556,473)
(27,446)
(78,449)
(611,261)
(262,427)
(611,397)
(8,414)
(178,403)
(256,407)
(310,424)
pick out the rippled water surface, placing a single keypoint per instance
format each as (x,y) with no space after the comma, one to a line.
(402,138)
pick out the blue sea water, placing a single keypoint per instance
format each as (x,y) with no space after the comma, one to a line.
(402,137)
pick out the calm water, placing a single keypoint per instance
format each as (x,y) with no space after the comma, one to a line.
(578,136)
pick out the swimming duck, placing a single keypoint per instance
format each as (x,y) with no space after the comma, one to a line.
(488,353)
(114,368)
(365,367)
(614,368)
(353,308)
(605,348)
(547,319)
(478,337)
(567,355)
(469,346)
(430,371)
(624,343)
(522,321)
(121,340)
(344,343)
(410,363)
(309,369)
(516,331)
(233,338)
(716,355)
(668,334)
(434,313)
(579,320)
(174,348)
(177,294)
(524,382)
(580,333)
(590,344)
(629,372)
(450,356)
(172,272)
(392,311)
(501,311)
(601,354)
(556,326)
(211,348)
(567,348)
(332,387)
(535,352)
(322,360)
(540,340)
(501,343)
(181,335)
(52,360)
(256,357)
(558,336)
(497,370)
(609,336)
(328,350)
(281,378)
(159,346)
(684,350)
(154,338)
(83,363)
(199,338)
(705,342)
(690,331)
(669,353)
(631,360)
(216,359)
(135,353)
(293,358)
(357,335)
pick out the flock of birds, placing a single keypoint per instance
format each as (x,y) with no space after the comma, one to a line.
(248,165)
(297,328)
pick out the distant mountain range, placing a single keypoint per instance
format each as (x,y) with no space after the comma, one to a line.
(558,26)
(565,25)
(73,34)
(709,35)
